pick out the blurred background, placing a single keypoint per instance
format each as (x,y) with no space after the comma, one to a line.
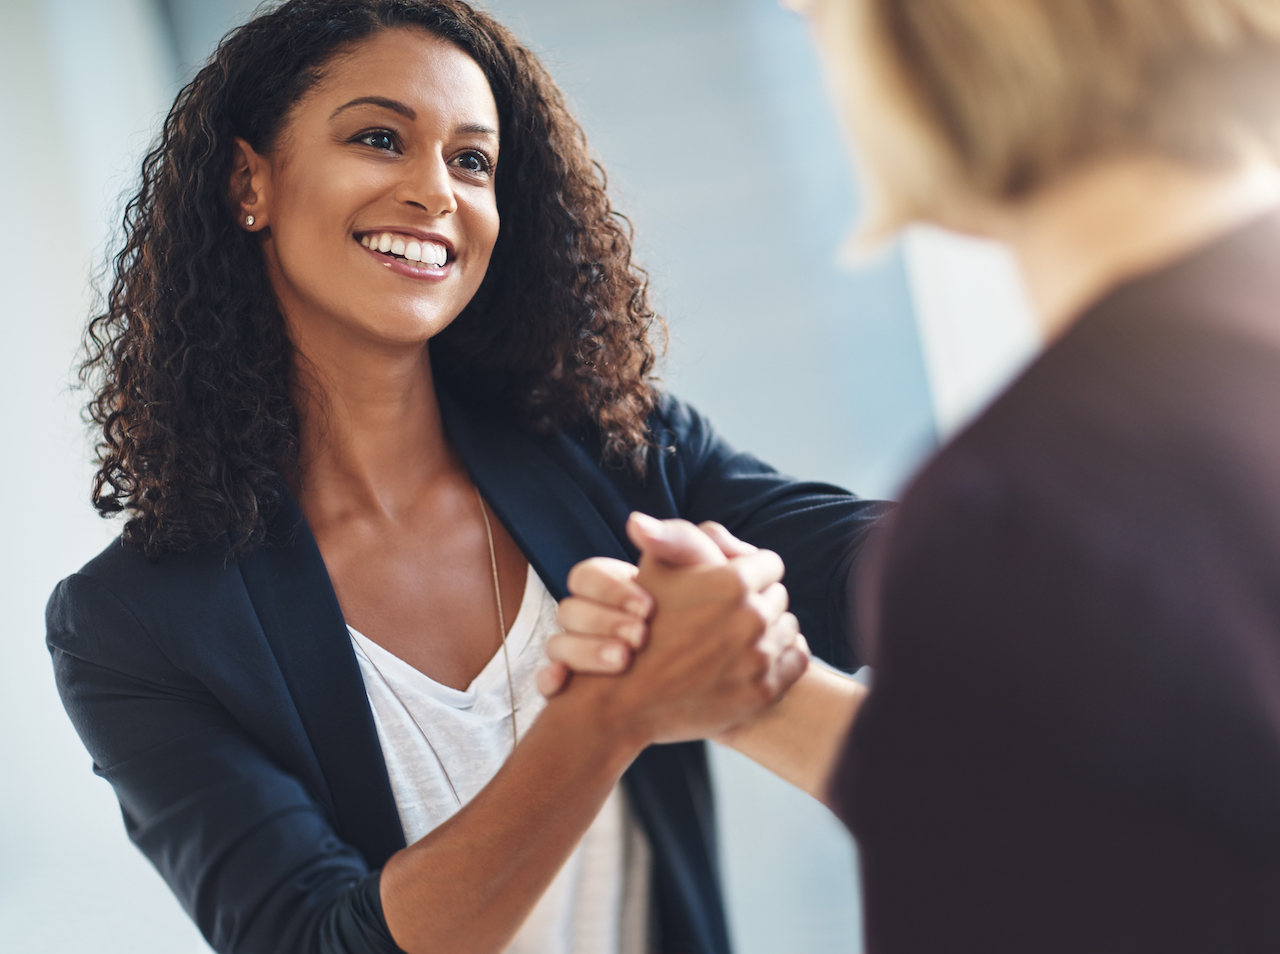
(712,122)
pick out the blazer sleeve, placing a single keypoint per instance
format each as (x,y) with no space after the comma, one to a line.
(248,851)
(818,529)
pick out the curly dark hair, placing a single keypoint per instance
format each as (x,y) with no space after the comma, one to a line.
(190,366)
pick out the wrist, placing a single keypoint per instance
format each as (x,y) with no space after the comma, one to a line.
(593,711)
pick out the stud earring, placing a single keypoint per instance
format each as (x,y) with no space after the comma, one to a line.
(249,220)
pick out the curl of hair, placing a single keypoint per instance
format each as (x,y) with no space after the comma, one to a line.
(190,366)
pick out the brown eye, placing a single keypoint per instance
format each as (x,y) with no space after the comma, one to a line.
(474,162)
(378,139)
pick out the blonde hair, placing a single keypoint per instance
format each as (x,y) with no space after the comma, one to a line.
(993,98)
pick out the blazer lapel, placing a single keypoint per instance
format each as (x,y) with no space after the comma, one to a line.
(299,612)
(550,516)
(545,510)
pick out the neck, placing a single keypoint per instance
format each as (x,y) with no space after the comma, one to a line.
(371,432)
(1112,221)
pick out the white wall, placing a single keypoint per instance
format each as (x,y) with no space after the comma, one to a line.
(976,327)
(70,880)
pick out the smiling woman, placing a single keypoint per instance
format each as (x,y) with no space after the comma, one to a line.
(403,173)
(374,373)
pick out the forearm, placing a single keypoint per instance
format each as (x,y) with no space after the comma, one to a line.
(469,885)
(800,737)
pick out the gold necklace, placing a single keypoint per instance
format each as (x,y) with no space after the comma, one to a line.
(506,658)
(502,621)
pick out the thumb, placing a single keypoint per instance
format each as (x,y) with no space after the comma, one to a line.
(672,542)
(729,545)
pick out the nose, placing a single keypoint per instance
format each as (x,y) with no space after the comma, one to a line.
(428,186)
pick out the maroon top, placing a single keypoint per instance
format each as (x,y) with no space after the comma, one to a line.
(1073,739)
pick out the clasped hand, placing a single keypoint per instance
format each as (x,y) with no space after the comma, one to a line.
(702,621)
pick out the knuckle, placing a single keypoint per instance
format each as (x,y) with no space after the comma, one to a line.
(592,574)
(615,571)
(759,662)
(578,575)
(578,653)
(566,610)
(783,635)
(735,586)
(555,647)
(784,628)
(735,632)
(771,564)
(763,692)
(756,617)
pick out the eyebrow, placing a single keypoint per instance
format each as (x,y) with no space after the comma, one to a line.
(394,105)
(479,128)
(408,112)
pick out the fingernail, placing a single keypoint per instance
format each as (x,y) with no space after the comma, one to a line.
(636,606)
(631,632)
(612,655)
(648,524)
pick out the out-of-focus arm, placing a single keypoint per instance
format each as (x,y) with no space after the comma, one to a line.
(800,737)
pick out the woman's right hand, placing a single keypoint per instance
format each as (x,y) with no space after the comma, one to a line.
(605,619)
(797,739)
(721,644)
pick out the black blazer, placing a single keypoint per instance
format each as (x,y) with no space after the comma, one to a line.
(222,701)
(1073,739)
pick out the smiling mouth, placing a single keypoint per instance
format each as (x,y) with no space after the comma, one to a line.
(406,249)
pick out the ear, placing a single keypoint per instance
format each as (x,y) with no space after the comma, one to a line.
(250,186)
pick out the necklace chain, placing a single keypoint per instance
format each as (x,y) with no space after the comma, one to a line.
(502,620)
(506,658)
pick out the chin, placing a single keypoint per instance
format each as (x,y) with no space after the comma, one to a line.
(413,329)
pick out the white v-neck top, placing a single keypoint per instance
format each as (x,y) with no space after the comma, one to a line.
(437,740)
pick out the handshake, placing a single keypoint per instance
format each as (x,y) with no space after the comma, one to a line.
(697,642)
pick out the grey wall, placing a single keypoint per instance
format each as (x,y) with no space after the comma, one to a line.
(80,83)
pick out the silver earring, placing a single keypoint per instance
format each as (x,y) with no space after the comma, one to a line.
(249,220)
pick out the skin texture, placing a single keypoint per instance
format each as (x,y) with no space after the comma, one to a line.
(394,512)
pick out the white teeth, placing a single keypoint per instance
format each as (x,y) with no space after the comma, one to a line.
(428,253)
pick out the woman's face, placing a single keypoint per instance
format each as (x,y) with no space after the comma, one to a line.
(378,202)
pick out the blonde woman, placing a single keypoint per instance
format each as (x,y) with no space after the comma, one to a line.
(1072,740)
